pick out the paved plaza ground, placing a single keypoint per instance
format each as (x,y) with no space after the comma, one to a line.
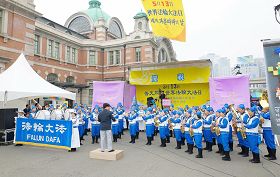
(139,161)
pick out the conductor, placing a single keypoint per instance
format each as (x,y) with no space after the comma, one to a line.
(161,97)
(105,118)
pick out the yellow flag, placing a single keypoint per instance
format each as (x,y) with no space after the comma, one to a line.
(167,18)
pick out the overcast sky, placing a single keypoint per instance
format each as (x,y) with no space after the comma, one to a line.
(229,28)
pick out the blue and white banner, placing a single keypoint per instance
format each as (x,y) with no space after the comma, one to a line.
(47,133)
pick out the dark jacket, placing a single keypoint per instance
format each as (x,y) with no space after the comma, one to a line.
(105,118)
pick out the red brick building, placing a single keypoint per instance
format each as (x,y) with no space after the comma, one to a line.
(91,46)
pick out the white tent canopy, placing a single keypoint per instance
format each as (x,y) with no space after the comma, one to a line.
(21,81)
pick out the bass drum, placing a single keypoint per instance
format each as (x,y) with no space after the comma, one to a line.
(43,115)
(67,114)
(56,115)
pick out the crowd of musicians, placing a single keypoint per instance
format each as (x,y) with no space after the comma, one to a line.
(189,126)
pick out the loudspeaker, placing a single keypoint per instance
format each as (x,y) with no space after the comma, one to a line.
(6,136)
(7,118)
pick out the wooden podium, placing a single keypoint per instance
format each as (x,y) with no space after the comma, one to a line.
(97,154)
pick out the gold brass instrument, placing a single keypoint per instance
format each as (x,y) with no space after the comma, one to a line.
(216,129)
(191,131)
(156,121)
(264,103)
(183,126)
(171,127)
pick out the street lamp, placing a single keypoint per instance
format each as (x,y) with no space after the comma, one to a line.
(277,13)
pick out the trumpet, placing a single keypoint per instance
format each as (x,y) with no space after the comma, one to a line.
(171,127)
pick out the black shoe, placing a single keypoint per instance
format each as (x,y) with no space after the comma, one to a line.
(227,156)
(93,139)
(231,146)
(242,151)
(164,142)
(161,140)
(167,139)
(199,155)
(207,146)
(256,158)
(183,142)
(111,150)
(219,149)
(269,152)
(273,154)
(150,141)
(178,145)
(188,150)
(191,149)
(210,147)
(214,141)
(81,143)
(131,139)
(246,152)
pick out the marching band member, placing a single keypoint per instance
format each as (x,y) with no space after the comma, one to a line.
(207,122)
(162,127)
(182,126)
(253,134)
(197,129)
(132,125)
(141,113)
(189,120)
(218,136)
(148,118)
(81,124)
(75,140)
(268,134)
(224,126)
(95,125)
(167,128)
(177,128)
(115,127)
(229,116)
(239,120)
(120,113)
(137,124)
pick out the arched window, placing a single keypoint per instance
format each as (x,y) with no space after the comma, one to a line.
(52,77)
(115,29)
(162,56)
(70,80)
(80,24)
(140,25)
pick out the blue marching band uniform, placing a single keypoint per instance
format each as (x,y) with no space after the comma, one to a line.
(194,125)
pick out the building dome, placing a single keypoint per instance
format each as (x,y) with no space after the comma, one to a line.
(140,15)
(85,21)
(95,12)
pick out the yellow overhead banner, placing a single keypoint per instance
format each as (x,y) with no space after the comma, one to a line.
(167,18)
(186,75)
(179,94)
